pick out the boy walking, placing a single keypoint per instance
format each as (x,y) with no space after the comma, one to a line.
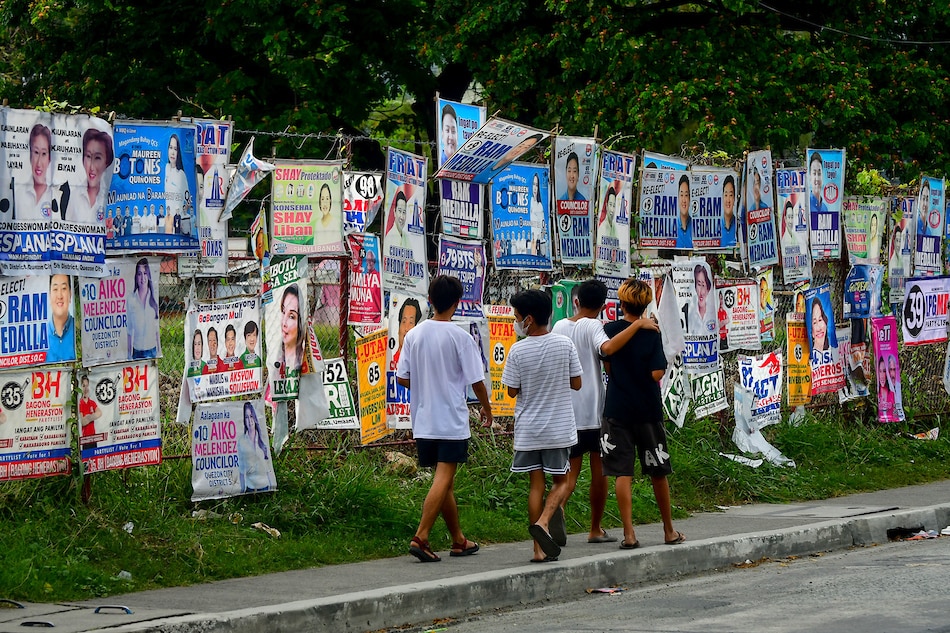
(438,361)
(541,370)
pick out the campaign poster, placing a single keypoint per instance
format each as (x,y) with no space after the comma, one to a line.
(708,392)
(249,171)
(931,201)
(457,123)
(760,238)
(675,392)
(887,371)
(713,201)
(478,330)
(799,365)
(698,314)
(521,233)
(827,375)
(489,150)
(37,325)
(119,418)
(825,195)
(900,250)
(212,176)
(862,291)
(653,160)
(501,336)
(120,312)
(465,260)
(574,166)
(151,204)
(371,382)
(34,434)
(461,208)
(230,451)
(405,312)
(56,170)
(665,220)
(362,199)
(766,282)
(793,224)
(224,357)
(405,267)
(864,222)
(798,298)
(925,310)
(738,315)
(306,207)
(285,302)
(336,386)
(615,196)
(856,383)
(366,287)
(763,376)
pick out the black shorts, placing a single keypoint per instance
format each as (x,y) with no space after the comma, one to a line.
(431,452)
(621,444)
(588,441)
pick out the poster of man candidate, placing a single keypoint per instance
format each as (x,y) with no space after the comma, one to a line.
(405,313)
(362,199)
(461,208)
(37,325)
(790,189)
(799,364)
(825,196)
(366,287)
(763,376)
(887,371)
(222,348)
(665,220)
(213,153)
(306,207)
(615,209)
(34,434)
(120,312)
(151,204)
(457,123)
(521,236)
(738,315)
(926,302)
(465,260)
(230,452)
(900,248)
(827,374)
(713,202)
(55,170)
(931,201)
(574,167)
(404,225)
(766,281)
(696,302)
(285,301)
(864,222)
(490,149)
(759,221)
(119,419)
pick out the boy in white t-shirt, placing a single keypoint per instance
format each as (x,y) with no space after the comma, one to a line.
(587,333)
(440,360)
(540,371)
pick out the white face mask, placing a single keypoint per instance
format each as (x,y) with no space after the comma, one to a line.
(519,328)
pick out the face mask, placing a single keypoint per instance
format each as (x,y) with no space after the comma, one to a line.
(519,328)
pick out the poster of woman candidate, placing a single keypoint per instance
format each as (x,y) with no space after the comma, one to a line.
(825,195)
(119,419)
(792,208)
(900,248)
(285,305)
(151,204)
(34,434)
(230,451)
(697,304)
(827,374)
(614,210)
(222,353)
(362,199)
(366,287)
(120,312)
(456,123)
(405,313)
(864,222)
(465,260)
(887,371)
(489,150)
(931,201)
(574,167)
(37,324)
(521,235)
(665,209)
(306,207)
(759,200)
(405,266)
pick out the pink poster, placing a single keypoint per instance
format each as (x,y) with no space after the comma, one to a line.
(887,371)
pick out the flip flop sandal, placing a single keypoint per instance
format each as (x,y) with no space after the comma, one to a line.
(626,545)
(548,546)
(603,538)
(460,549)
(558,527)
(680,538)
(546,559)
(421,550)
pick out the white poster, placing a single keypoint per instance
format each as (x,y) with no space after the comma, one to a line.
(223,358)
(34,434)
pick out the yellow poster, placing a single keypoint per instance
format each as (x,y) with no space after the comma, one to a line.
(501,336)
(799,368)
(371,381)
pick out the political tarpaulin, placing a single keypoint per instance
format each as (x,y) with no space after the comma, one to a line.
(696,302)
(501,333)
(900,249)
(713,207)
(759,221)
(738,315)
(34,434)
(284,300)
(708,391)
(852,355)
(521,235)
(825,196)
(230,451)
(862,291)
(404,225)
(37,325)
(250,171)
(574,166)
(865,219)
(336,386)
(371,382)
(151,205)
(766,282)
(653,160)
(926,302)
(931,201)
(465,260)
(306,207)
(887,371)
(222,348)
(665,220)
(362,199)
(461,208)
(489,150)
(366,286)
(792,208)
(615,196)
(456,123)
(827,374)
(405,312)
(799,365)
(119,418)
(675,392)
(763,376)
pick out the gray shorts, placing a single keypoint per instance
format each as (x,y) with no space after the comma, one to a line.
(554,461)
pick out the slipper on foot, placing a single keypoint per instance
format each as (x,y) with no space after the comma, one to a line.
(625,545)
(548,546)
(558,527)
(421,550)
(680,538)
(603,538)
(465,548)
(546,559)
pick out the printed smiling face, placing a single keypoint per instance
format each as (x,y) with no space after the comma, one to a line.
(325,200)
(289,321)
(401,215)
(250,341)
(572,173)
(59,297)
(611,206)
(173,151)
(39,158)
(212,344)
(892,370)
(450,134)
(819,329)
(683,199)
(881,373)
(815,177)
(94,162)
(197,345)
(728,202)
(230,342)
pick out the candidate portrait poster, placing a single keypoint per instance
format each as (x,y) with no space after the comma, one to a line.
(825,196)
(708,392)
(371,381)
(521,235)
(931,204)
(887,371)
(336,387)
(306,207)
(461,208)
(37,324)
(574,168)
(404,226)
(799,364)
(713,200)
(852,355)
(864,221)
(862,291)
(792,208)
(766,281)
(222,348)
(697,305)
(151,205)
(501,336)
(119,418)
(763,376)
(366,281)
(614,211)
(230,451)
(465,260)
(285,303)
(456,123)
(212,176)
(120,312)
(900,248)
(34,434)
(827,374)
(489,150)
(925,308)
(654,160)
(665,220)
(760,236)
(675,392)
(362,199)
(738,315)
(405,312)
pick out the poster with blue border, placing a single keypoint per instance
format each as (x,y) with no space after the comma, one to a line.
(825,171)
(521,235)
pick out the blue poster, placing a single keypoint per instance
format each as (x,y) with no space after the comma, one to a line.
(457,122)
(825,197)
(930,227)
(465,260)
(521,234)
(862,291)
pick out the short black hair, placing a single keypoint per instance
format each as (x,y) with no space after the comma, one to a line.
(414,303)
(444,292)
(591,294)
(572,157)
(533,303)
(250,328)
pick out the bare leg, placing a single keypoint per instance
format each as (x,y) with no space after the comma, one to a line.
(576,464)
(598,494)
(624,488)
(536,505)
(661,491)
(440,494)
